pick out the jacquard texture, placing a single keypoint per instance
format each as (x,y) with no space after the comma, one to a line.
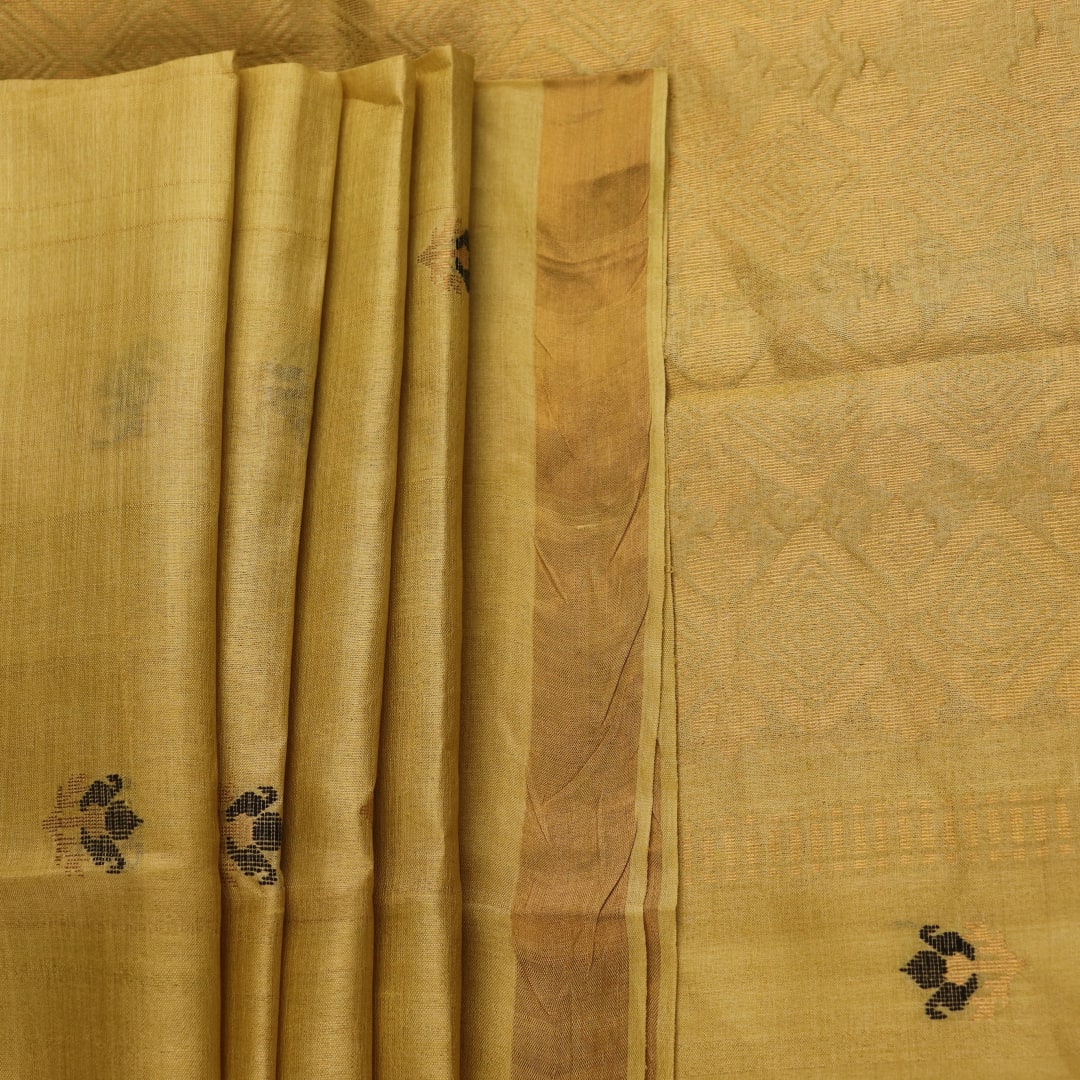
(878,605)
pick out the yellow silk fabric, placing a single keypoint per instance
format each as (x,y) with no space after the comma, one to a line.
(116,222)
(343,590)
(255,551)
(417,877)
(869,794)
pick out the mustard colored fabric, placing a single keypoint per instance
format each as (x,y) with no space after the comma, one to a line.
(564,574)
(894,663)
(287,137)
(417,1020)
(852,833)
(343,590)
(332,556)
(116,224)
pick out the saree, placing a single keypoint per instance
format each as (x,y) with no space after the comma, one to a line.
(815,813)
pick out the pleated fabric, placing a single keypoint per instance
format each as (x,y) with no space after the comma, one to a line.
(343,590)
(353,678)
(116,199)
(287,137)
(417,877)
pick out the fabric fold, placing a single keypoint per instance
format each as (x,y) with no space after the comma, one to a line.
(417,876)
(116,223)
(343,588)
(565,553)
(287,136)
(661,878)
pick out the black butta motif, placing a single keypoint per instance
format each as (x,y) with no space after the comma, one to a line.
(266,831)
(930,970)
(119,819)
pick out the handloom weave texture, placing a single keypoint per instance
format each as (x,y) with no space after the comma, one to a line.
(334,477)
(868,815)
(417,875)
(894,660)
(114,307)
(286,153)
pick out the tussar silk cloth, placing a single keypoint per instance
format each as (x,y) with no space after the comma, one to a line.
(114,310)
(854,190)
(874,527)
(564,532)
(878,797)
(417,878)
(287,136)
(343,589)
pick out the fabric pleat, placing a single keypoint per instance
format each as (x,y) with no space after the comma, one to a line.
(343,587)
(499,560)
(353,695)
(287,136)
(116,202)
(417,877)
